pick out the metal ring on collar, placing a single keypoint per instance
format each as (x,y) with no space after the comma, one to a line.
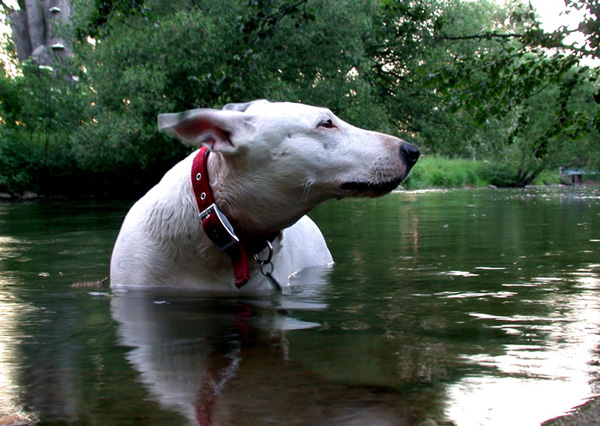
(269,255)
(264,270)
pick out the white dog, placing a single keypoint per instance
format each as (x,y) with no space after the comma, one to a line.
(245,194)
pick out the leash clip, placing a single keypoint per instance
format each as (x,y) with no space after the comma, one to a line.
(266,266)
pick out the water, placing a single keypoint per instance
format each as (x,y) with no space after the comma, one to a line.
(463,307)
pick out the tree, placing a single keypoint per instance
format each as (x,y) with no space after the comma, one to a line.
(590,26)
(40,30)
(516,75)
(212,53)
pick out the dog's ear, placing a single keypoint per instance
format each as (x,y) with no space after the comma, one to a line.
(245,106)
(221,131)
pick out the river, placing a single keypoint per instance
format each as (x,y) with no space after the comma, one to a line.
(463,307)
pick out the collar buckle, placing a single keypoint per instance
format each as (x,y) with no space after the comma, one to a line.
(208,211)
(223,240)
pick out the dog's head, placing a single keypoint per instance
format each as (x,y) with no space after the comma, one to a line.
(283,159)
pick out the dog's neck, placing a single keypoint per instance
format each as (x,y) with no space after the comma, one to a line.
(253,210)
(217,226)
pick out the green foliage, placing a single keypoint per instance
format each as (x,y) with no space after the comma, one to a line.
(590,26)
(40,109)
(440,172)
(20,163)
(29,162)
(99,20)
(519,103)
(463,79)
(199,56)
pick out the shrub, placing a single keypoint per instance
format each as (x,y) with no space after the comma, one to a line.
(20,163)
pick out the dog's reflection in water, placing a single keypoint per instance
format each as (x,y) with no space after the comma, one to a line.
(226,361)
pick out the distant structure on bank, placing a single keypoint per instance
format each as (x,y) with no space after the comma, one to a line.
(42,31)
(574,175)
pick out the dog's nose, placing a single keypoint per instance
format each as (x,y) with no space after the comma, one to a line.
(410,153)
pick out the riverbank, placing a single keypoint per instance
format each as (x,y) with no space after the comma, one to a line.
(431,172)
(587,414)
(440,172)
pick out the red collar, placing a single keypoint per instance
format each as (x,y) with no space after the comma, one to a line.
(216,225)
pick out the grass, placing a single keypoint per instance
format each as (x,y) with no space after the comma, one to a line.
(439,172)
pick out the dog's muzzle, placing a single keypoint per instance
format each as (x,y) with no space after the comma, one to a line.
(409,155)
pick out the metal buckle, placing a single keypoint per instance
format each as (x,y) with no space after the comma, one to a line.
(225,224)
(208,211)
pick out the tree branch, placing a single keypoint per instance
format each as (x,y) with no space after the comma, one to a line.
(487,36)
(6,8)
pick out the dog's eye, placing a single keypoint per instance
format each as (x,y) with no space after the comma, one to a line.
(328,124)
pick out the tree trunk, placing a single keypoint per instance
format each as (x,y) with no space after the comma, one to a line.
(20,34)
(36,23)
(40,31)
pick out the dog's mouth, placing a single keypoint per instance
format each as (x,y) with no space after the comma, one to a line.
(369,188)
